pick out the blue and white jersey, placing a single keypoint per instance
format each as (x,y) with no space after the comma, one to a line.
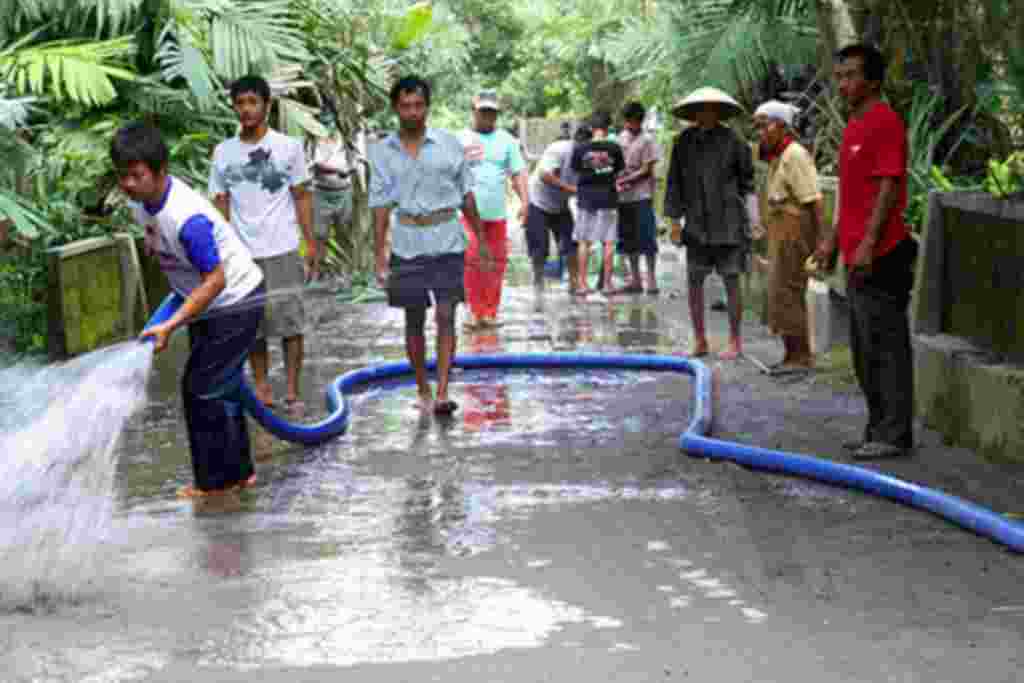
(190,238)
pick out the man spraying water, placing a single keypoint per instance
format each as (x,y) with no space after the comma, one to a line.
(206,263)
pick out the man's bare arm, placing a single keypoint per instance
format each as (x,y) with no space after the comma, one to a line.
(223,203)
(520,185)
(883,205)
(646,170)
(381,226)
(555,180)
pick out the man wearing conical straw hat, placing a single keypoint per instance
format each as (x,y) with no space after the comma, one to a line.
(710,200)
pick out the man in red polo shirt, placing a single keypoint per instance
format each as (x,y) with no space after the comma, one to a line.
(878,252)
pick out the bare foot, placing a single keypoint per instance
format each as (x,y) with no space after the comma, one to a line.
(797,363)
(424,403)
(700,348)
(248,483)
(733,352)
(191,491)
(264,393)
(295,408)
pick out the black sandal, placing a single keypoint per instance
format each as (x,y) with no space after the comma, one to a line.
(445,408)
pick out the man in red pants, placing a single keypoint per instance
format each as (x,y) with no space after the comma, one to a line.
(494,157)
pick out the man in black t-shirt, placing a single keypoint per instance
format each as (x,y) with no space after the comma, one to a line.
(598,164)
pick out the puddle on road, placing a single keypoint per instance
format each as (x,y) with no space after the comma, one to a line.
(535,408)
(345,554)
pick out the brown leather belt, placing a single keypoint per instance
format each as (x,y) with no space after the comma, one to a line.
(426,219)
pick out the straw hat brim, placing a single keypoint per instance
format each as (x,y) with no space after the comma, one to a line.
(688,106)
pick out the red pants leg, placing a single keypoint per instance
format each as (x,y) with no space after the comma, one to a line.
(473,276)
(496,233)
(483,288)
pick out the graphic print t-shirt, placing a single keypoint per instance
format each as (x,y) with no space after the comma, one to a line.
(259,178)
(597,163)
(493,157)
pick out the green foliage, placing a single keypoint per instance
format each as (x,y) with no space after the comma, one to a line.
(413,26)
(76,70)
(1005,178)
(729,44)
(924,171)
(22,314)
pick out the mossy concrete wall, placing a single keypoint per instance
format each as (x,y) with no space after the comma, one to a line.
(96,296)
(970,397)
(968,346)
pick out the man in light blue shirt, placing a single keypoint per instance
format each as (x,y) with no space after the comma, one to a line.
(494,157)
(419,180)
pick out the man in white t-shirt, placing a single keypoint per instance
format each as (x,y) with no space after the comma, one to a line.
(259,182)
(221,290)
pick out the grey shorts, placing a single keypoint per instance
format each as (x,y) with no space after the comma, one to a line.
(727,260)
(596,225)
(330,208)
(285,277)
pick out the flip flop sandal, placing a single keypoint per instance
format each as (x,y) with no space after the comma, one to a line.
(654,291)
(787,369)
(294,408)
(876,449)
(445,408)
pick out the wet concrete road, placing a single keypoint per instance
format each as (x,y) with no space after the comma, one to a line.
(552,531)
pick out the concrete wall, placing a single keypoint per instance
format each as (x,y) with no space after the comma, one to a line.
(969,386)
(96,295)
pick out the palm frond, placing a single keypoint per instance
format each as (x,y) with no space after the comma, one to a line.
(112,15)
(77,70)
(299,120)
(254,36)
(14,111)
(28,221)
(180,58)
(706,42)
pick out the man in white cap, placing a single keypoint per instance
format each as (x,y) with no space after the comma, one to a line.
(794,217)
(710,191)
(494,157)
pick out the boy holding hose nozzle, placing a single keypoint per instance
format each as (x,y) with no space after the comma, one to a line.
(206,263)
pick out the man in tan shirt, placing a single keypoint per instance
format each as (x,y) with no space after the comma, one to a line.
(793,217)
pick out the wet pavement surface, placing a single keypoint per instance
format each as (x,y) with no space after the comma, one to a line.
(551,531)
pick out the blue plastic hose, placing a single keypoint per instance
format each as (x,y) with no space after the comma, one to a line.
(693,441)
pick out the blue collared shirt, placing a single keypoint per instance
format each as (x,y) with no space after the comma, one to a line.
(437,179)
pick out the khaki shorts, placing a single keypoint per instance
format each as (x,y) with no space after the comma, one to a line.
(285,277)
(330,208)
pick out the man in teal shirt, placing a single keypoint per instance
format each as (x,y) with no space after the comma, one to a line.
(494,157)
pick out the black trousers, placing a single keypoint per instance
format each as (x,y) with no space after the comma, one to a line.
(217,432)
(880,342)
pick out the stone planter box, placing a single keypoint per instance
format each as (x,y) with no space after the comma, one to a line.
(967,308)
(96,294)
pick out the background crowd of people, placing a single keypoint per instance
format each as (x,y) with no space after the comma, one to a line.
(440,215)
